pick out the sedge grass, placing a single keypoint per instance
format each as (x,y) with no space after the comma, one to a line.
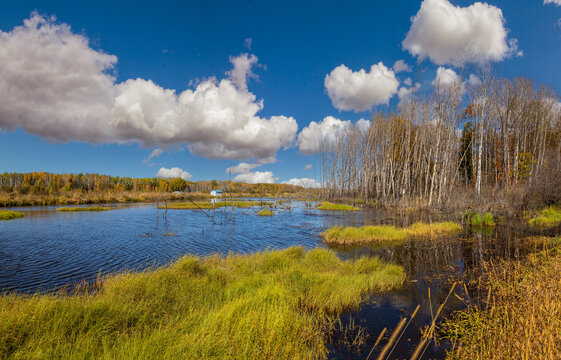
(329,206)
(9,215)
(480,220)
(85,208)
(265,212)
(548,217)
(209,205)
(519,316)
(269,305)
(376,233)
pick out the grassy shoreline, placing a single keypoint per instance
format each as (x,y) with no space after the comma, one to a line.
(359,235)
(209,205)
(274,305)
(83,208)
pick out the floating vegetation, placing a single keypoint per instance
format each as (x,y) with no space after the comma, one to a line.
(209,205)
(269,305)
(479,220)
(83,208)
(9,215)
(548,217)
(518,317)
(351,235)
(329,206)
(265,212)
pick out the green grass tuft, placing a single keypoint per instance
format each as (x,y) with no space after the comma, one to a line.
(479,220)
(85,208)
(329,206)
(549,217)
(265,212)
(9,215)
(269,305)
(352,235)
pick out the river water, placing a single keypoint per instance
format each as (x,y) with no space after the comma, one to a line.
(47,250)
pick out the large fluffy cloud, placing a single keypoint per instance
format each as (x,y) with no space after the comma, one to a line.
(53,84)
(449,34)
(304,182)
(318,136)
(172,173)
(256,177)
(360,90)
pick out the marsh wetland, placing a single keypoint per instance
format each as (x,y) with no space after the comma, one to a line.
(48,251)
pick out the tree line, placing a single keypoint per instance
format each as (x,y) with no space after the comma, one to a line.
(506,134)
(44,183)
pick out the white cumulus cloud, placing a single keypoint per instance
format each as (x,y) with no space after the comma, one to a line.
(256,177)
(315,137)
(54,85)
(308,167)
(556,2)
(360,90)
(453,35)
(173,173)
(304,182)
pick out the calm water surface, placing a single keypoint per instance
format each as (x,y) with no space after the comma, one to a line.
(47,250)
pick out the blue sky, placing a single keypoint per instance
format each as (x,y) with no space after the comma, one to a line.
(179,45)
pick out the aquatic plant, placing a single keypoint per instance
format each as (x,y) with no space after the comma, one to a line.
(265,212)
(269,305)
(548,217)
(518,316)
(9,215)
(85,208)
(349,235)
(329,206)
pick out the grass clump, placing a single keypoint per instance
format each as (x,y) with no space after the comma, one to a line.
(548,217)
(269,305)
(9,215)
(86,208)
(329,206)
(209,205)
(480,220)
(352,235)
(519,316)
(265,212)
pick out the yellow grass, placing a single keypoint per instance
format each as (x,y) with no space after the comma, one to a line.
(352,235)
(329,206)
(9,215)
(519,316)
(270,305)
(83,208)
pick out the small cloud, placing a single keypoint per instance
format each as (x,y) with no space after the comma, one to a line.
(256,177)
(155,153)
(165,51)
(173,173)
(247,43)
(520,53)
(304,182)
(556,2)
(360,90)
(400,66)
(308,167)
(242,70)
